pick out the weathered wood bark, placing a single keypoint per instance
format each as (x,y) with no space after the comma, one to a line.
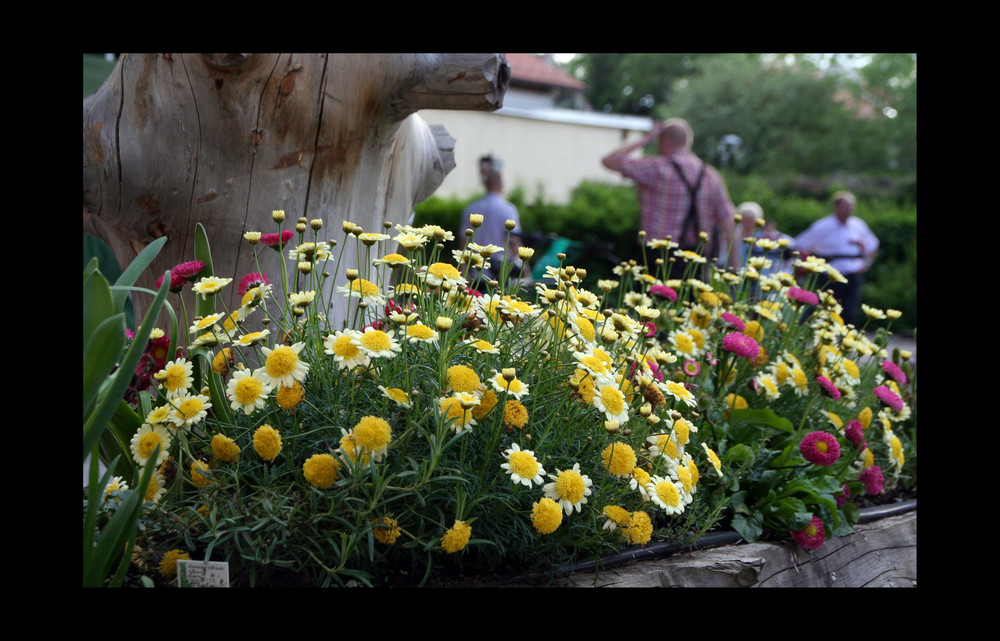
(171,140)
(881,553)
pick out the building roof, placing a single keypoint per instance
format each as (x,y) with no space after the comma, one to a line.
(539,71)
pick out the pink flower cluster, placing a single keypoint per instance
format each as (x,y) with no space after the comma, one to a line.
(893,370)
(855,433)
(250,281)
(888,397)
(181,274)
(733,321)
(741,345)
(276,242)
(820,448)
(802,296)
(873,480)
(828,387)
(812,536)
(663,291)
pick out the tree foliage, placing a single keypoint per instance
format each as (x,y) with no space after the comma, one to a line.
(804,113)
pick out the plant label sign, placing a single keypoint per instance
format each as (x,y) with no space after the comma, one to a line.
(202,574)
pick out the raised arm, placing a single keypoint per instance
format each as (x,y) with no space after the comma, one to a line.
(613,160)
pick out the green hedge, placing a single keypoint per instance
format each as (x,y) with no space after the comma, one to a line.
(610,213)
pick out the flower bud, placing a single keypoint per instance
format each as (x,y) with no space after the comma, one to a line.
(316,224)
(253,237)
(278,215)
(476,220)
(443,323)
(510,225)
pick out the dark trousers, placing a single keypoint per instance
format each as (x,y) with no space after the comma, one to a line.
(849,296)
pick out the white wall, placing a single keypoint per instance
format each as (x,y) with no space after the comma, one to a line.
(551,149)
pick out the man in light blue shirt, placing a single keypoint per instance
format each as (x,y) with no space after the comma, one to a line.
(846,242)
(496,211)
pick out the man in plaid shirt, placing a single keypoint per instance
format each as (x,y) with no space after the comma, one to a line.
(666,182)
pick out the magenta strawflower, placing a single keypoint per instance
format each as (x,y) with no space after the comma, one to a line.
(873,480)
(176,282)
(802,296)
(189,269)
(820,448)
(855,433)
(650,329)
(691,368)
(842,496)
(662,291)
(812,536)
(276,242)
(888,397)
(827,386)
(741,345)
(893,370)
(733,321)
(250,281)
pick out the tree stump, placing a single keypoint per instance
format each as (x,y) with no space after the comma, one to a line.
(172,140)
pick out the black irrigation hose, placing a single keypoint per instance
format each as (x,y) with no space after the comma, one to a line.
(716,539)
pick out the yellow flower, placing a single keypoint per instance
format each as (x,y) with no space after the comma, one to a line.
(282,365)
(546,515)
(619,459)
(168,564)
(374,435)
(145,440)
(267,442)
(225,449)
(570,488)
(515,414)
(288,398)
(486,403)
(321,470)
(386,530)
(639,528)
(200,480)
(223,361)
(462,378)
(457,537)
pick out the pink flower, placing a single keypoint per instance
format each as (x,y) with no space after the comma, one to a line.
(650,329)
(691,368)
(276,242)
(189,269)
(828,387)
(893,370)
(802,296)
(733,321)
(855,433)
(812,536)
(741,345)
(873,480)
(663,291)
(842,496)
(888,397)
(176,282)
(250,281)
(820,448)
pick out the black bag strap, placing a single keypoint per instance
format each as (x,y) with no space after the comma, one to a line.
(691,220)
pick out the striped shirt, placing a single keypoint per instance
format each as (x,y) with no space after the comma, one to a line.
(664,199)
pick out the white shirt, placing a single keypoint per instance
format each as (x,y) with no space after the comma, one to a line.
(830,237)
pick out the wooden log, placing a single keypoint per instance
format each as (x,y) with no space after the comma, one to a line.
(881,553)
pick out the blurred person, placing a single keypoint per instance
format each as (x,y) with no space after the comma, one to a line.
(496,211)
(846,242)
(680,195)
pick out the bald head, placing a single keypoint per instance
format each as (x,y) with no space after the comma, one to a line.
(677,135)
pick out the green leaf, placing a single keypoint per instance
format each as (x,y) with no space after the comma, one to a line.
(98,302)
(749,526)
(202,252)
(101,351)
(764,418)
(135,269)
(97,420)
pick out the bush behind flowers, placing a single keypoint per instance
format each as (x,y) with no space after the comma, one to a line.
(447,429)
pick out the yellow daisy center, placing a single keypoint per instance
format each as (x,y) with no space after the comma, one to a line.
(147,443)
(822,446)
(376,340)
(462,378)
(523,464)
(191,407)
(281,362)
(372,433)
(684,343)
(247,390)
(364,287)
(344,348)
(175,378)
(570,486)
(420,331)
(811,530)
(684,476)
(443,270)
(667,492)
(619,459)
(152,488)
(641,476)
(612,398)
(678,390)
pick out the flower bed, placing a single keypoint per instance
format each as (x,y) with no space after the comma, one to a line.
(447,430)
